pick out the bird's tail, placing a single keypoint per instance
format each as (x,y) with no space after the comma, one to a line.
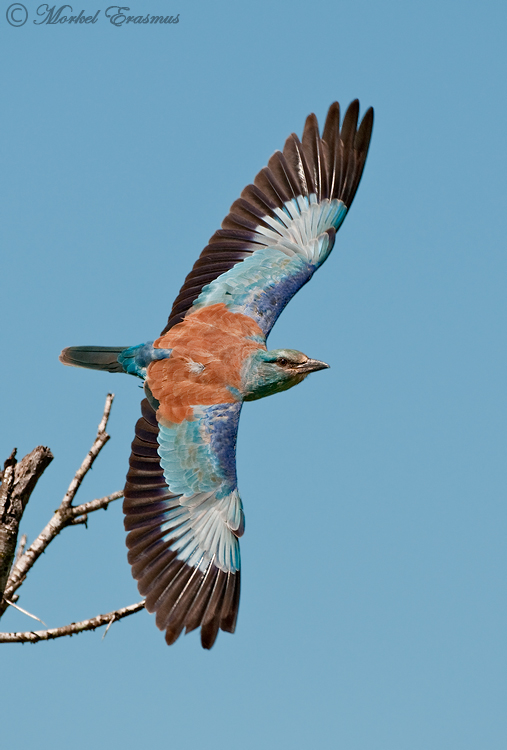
(94,357)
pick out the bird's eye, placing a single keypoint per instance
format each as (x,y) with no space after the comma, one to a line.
(282,361)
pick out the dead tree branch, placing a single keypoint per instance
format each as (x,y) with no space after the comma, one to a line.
(66,514)
(98,444)
(73,628)
(17,482)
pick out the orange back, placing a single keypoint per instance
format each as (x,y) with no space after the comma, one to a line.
(213,337)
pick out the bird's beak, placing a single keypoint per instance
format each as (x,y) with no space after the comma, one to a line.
(312,365)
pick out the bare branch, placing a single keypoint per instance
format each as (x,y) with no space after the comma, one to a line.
(73,628)
(102,502)
(66,514)
(75,515)
(107,411)
(18,483)
(20,570)
(99,443)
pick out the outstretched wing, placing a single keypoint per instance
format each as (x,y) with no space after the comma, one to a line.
(184,517)
(283,226)
(183,511)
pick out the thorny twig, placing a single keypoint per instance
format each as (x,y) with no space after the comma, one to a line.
(73,628)
(98,444)
(66,514)
(24,611)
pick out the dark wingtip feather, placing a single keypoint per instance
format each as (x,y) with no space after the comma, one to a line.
(312,144)
(332,124)
(363,135)
(230,605)
(349,125)
(211,619)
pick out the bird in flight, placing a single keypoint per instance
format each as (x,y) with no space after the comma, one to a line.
(183,512)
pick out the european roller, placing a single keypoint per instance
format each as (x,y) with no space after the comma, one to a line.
(183,512)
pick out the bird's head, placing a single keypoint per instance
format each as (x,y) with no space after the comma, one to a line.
(266,372)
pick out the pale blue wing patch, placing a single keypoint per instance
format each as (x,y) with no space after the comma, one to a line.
(299,223)
(298,242)
(198,460)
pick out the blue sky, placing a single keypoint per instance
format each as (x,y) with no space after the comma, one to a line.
(373,610)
